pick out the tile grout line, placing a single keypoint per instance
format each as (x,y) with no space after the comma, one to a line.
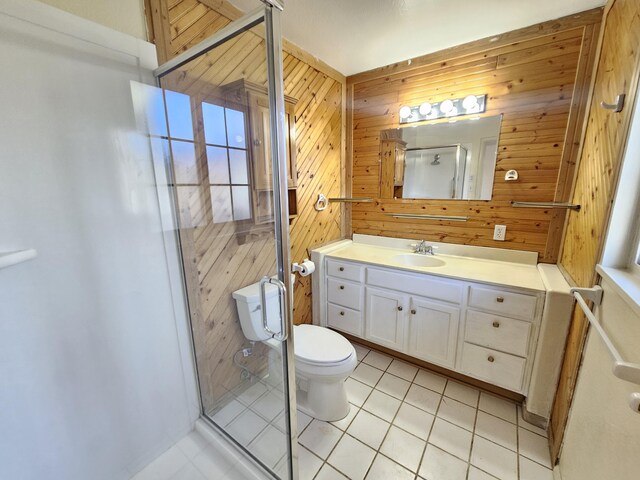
(435,416)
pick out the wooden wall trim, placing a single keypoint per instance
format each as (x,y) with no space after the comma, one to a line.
(157,16)
(348,160)
(588,17)
(581,99)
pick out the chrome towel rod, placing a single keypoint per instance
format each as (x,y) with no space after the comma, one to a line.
(351,200)
(323,202)
(570,206)
(419,216)
(621,369)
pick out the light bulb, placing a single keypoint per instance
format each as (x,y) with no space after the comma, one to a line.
(425,108)
(470,102)
(405,112)
(446,106)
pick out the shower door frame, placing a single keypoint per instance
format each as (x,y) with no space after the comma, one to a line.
(270,15)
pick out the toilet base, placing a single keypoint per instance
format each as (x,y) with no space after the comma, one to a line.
(325,401)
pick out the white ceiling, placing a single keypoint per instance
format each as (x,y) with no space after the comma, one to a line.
(357,35)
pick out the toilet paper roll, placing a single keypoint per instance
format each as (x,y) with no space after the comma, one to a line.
(307,268)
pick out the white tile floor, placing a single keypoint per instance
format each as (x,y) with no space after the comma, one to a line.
(404,423)
(409,423)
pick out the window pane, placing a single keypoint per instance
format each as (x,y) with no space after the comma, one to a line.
(235,128)
(213,116)
(179,113)
(184,162)
(238,161)
(218,166)
(221,204)
(241,203)
(192,212)
(153,108)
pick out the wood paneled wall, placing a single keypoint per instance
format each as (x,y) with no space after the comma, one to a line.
(216,262)
(617,71)
(538,78)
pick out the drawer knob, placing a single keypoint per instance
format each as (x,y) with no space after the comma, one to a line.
(342,314)
(500,299)
(413,311)
(399,309)
(496,324)
(490,359)
(341,287)
(341,269)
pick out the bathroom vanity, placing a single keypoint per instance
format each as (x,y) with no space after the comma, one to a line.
(491,314)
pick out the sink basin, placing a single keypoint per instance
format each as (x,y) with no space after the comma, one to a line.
(417,260)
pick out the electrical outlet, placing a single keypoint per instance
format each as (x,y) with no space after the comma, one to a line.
(499,232)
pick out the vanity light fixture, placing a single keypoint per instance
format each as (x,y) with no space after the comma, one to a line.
(471,104)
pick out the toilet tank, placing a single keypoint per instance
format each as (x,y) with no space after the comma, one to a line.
(250,314)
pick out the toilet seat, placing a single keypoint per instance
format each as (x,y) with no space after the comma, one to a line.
(321,347)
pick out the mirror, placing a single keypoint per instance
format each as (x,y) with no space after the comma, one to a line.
(445,160)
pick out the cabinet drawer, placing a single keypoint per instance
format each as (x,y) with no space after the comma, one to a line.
(417,284)
(344,293)
(511,304)
(345,270)
(345,319)
(495,367)
(501,333)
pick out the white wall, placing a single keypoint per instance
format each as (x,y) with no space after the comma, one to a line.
(602,439)
(95,373)
(126,16)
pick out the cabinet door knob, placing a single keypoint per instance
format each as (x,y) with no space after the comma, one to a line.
(341,287)
(341,269)
(500,299)
(399,309)
(342,314)
(490,359)
(496,324)
(413,311)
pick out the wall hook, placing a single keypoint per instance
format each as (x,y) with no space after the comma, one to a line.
(616,107)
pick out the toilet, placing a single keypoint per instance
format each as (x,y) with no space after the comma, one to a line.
(323,358)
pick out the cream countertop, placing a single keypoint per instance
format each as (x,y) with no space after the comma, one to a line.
(503,273)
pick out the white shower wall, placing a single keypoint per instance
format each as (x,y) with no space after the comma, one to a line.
(96,375)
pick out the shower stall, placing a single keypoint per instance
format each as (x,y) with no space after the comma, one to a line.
(146,196)
(435,172)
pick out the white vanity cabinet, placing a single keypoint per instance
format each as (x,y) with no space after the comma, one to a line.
(485,331)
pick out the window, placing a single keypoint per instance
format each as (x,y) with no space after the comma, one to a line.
(227,160)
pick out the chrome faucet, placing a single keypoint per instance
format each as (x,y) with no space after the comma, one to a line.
(422,248)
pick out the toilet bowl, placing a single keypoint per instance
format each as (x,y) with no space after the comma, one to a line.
(323,357)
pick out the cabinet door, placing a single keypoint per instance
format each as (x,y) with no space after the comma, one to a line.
(261,142)
(433,331)
(385,318)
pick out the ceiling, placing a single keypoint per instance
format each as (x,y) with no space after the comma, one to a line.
(357,35)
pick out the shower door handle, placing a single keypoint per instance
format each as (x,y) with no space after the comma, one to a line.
(282,334)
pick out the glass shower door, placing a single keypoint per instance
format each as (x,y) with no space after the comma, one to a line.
(223,142)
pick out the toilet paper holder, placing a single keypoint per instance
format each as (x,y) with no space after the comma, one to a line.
(306,268)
